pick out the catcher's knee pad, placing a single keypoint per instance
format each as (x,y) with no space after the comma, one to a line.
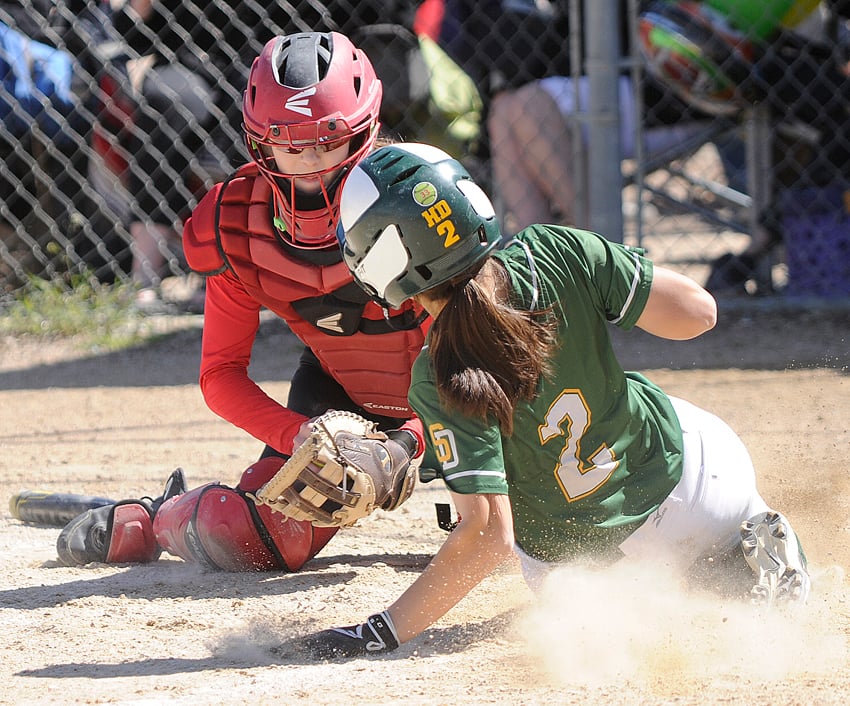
(219,527)
(115,534)
(259,473)
(294,541)
(211,525)
(132,537)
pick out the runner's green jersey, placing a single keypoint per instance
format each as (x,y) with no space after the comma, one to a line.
(598,449)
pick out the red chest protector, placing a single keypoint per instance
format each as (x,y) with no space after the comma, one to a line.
(369,356)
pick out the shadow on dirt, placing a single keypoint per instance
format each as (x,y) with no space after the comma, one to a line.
(170,359)
(177,579)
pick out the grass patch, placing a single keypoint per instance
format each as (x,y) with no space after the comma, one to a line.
(96,315)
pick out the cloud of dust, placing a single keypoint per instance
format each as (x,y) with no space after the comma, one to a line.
(593,627)
(251,644)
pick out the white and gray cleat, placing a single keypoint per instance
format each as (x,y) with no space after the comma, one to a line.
(774,554)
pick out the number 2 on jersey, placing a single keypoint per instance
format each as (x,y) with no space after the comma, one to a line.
(578,475)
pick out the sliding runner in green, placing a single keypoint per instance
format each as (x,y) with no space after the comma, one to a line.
(548,446)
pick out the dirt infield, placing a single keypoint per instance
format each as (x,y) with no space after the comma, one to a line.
(172,633)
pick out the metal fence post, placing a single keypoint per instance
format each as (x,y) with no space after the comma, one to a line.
(605,176)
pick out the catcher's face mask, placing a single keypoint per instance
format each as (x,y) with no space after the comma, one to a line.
(310,90)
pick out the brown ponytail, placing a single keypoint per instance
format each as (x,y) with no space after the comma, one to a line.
(488,355)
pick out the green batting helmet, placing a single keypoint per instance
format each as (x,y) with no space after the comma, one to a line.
(411,217)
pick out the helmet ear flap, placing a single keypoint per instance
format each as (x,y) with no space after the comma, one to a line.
(386,261)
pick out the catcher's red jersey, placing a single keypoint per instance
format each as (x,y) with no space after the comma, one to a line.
(231,238)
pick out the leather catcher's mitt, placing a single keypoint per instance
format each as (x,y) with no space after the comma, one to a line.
(340,473)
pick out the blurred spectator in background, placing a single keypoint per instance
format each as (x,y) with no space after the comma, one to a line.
(801,75)
(734,55)
(539,144)
(40,105)
(172,95)
(520,51)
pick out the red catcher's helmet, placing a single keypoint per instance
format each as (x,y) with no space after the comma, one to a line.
(310,89)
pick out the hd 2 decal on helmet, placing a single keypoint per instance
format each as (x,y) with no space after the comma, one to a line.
(438,217)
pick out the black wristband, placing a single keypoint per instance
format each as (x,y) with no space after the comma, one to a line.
(383,628)
(407,439)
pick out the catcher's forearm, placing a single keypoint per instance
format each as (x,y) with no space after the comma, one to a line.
(409,441)
(233,396)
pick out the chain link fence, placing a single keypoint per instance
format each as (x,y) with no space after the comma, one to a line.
(717,129)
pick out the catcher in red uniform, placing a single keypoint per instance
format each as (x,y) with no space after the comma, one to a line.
(266,238)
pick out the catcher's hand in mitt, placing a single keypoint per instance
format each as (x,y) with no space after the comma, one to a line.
(341,471)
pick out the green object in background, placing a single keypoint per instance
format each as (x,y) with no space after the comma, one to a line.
(456,104)
(760,18)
